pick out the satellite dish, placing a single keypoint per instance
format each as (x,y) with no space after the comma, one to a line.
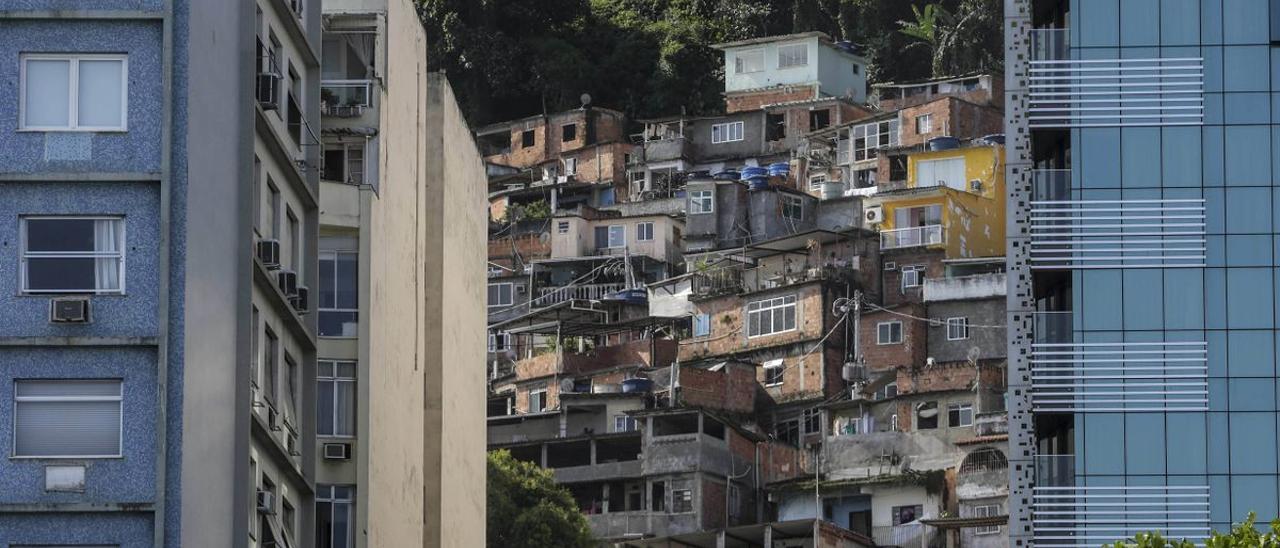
(586,99)
(544,237)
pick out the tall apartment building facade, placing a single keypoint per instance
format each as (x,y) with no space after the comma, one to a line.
(1142,263)
(391,132)
(161,175)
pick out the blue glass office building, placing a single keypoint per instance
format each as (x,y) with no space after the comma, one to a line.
(1144,255)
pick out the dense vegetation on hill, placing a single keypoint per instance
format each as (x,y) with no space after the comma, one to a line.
(512,58)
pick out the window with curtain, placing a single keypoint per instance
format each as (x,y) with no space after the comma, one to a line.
(793,55)
(73,255)
(335,516)
(67,418)
(339,295)
(948,172)
(336,398)
(81,92)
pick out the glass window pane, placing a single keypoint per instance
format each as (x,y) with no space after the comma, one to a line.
(60,235)
(100,96)
(324,408)
(48,89)
(345,409)
(348,265)
(57,274)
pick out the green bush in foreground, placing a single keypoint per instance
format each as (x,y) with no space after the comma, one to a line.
(1243,535)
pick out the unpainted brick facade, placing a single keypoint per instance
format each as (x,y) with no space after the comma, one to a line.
(732,389)
(930,260)
(910,351)
(755,100)
(548,134)
(949,116)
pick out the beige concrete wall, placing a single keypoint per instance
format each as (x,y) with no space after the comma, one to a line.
(426,322)
(455,326)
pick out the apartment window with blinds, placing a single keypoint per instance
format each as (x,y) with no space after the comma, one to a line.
(67,418)
(771,316)
(84,92)
(339,294)
(793,55)
(336,398)
(726,133)
(73,255)
(335,516)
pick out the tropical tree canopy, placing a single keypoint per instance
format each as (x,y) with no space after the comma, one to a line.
(1242,535)
(526,509)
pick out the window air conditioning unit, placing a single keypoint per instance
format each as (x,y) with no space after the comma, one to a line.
(268,90)
(269,253)
(287,280)
(874,215)
(266,502)
(292,445)
(73,310)
(975,185)
(890,265)
(301,300)
(337,451)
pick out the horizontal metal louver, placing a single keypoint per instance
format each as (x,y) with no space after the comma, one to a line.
(1103,377)
(1096,234)
(1071,516)
(1064,92)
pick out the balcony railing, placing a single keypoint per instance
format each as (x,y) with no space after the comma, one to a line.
(1065,92)
(910,535)
(548,296)
(345,98)
(911,237)
(1092,515)
(1068,376)
(1078,234)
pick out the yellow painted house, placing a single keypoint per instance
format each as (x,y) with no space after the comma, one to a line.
(953,199)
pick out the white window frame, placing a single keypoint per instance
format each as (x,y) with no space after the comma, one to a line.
(334,255)
(871,139)
(816,182)
(741,66)
(562,227)
(27,255)
(786,52)
(495,337)
(73,82)
(702,201)
(644,231)
(350,176)
(620,233)
(986,511)
(542,399)
(570,166)
(961,408)
(118,399)
(510,291)
(770,367)
(773,306)
(336,381)
(884,338)
(914,271)
(924,124)
(688,494)
(792,207)
(326,493)
(960,325)
(624,423)
(728,132)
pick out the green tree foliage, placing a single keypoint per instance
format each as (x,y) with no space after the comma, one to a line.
(526,509)
(650,58)
(1243,535)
